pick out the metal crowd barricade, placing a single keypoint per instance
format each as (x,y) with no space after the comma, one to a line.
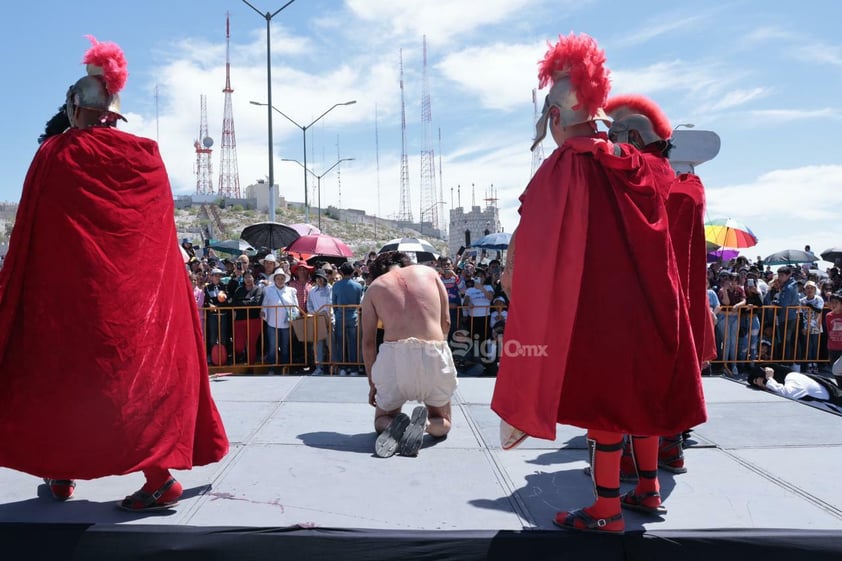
(235,338)
(235,341)
(758,334)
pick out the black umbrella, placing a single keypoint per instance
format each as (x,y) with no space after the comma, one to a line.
(790,257)
(832,254)
(273,235)
(234,247)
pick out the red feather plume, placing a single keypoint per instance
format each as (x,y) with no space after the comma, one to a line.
(110,58)
(644,106)
(584,63)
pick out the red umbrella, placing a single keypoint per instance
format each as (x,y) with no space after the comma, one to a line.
(321,245)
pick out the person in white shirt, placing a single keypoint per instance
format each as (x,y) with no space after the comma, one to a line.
(787,383)
(318,302)
(812,323)
(280,306)
(478,296)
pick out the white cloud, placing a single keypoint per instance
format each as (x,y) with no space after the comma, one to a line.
(441,22)
(785,208)
(498,75)
(733,99)
(675,75)
(656,29)
(768,33)
(821,53)
(775,116)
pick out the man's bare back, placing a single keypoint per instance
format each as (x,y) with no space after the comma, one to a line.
(411,302)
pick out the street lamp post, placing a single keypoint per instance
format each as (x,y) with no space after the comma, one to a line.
(318,179)
(304,135)
(268,17)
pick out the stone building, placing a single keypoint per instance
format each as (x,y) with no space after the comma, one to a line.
(468,227)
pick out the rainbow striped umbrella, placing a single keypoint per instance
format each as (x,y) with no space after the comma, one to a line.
(727,232)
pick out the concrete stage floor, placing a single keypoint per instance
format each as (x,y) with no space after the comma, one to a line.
(301,454)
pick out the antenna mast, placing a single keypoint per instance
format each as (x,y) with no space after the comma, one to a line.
(429,198)
(229,176)
(406,207)
(202,145)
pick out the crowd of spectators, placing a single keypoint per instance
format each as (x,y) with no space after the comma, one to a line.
(788,313)
(761,313)
(248,304)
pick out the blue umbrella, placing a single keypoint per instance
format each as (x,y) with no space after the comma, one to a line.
(498,240)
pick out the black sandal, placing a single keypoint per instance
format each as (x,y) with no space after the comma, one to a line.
(635,502)
(149,501)
(590,523)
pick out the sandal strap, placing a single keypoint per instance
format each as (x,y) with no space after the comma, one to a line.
(148,499)
(635,498)
(607,492)
(164,488)
(589,521)
(601,447)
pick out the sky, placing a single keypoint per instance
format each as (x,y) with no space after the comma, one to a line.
(765,76)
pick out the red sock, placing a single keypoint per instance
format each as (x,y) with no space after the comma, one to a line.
(157,478)
(646,455)
(606,472)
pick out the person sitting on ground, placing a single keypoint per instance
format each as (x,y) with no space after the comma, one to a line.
(414,362)
(782,380)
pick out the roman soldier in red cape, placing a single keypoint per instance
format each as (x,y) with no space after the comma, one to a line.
(102,366)
(640,122)
(594,213)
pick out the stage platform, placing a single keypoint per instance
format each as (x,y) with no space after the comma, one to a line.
(301,482)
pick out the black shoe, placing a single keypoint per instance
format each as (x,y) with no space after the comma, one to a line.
(414,434)
(387,443)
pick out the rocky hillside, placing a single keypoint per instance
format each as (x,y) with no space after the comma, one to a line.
(227,223)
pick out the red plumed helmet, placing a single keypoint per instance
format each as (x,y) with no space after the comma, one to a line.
(620,107)
(106,76)
(575,67)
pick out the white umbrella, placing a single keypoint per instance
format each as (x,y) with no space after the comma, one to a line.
(423,250)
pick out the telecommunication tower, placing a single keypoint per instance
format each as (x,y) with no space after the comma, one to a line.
(538,153)
(429,195)
(229,176)
(203,171)
(406,206)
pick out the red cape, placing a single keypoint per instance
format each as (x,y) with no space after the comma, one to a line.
(102,364)
(661,170)
(686,211)
(595,280)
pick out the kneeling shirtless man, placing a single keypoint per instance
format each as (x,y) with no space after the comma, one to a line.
(414,361)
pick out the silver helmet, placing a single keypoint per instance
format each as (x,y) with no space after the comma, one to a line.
(563,97)
(89,92)
(622,128)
